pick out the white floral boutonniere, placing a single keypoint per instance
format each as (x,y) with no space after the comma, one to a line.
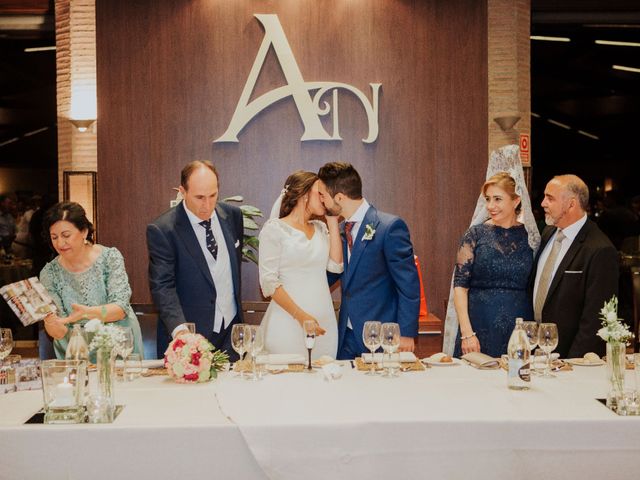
(369,232)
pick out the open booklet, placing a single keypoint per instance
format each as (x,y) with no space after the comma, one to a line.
(481,360)
(29,300)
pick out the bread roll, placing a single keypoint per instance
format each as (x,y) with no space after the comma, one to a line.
(591,357)
(446,359)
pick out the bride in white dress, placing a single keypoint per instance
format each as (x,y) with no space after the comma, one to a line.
(294,256)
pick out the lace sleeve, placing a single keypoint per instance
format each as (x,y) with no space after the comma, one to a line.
(464,260)
(48,280)
(116,280)
(269,257)
(332,266)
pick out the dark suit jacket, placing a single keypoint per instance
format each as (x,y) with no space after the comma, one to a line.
(380,281)
(180,281)
(586,277)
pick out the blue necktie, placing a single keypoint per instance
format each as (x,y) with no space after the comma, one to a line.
(212,245)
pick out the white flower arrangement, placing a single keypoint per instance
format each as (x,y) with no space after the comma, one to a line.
(106,336)
(369,232)
(613,330)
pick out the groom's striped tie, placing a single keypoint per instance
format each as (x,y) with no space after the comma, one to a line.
(348,226)
(546,277)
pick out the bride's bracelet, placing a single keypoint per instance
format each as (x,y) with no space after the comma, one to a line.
(473,334)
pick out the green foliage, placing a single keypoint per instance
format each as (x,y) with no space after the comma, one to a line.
(251,227)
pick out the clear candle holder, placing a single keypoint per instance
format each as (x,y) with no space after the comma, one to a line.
(63,390)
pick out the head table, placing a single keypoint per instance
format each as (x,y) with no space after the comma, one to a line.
(443,423)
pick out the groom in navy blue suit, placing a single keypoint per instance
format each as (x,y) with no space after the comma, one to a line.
(380,279)
(195,254)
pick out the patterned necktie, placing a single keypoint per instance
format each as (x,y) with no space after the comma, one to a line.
(212,245)
(546,277)
(348,226)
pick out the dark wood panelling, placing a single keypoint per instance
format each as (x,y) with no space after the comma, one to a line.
(170,75)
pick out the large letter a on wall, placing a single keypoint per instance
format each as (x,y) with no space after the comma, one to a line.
(308,108)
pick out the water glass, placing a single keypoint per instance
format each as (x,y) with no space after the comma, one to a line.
(539,361)
(240,339)
(256,343)
(372,340)
(100,409)
(132,367)
(531,329)
(63,390)
(390,344)
(548,341)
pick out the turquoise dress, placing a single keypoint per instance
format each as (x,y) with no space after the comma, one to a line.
(103,282)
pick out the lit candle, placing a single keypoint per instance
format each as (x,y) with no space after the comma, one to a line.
(64,394)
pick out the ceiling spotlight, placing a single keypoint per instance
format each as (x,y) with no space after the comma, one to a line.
(39,49)
(626,69)
(587,134)
(559,124)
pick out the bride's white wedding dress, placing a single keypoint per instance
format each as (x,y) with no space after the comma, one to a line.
(289,259)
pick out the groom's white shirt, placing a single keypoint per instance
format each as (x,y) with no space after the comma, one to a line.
(357,217)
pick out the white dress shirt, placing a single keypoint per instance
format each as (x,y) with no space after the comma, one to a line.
(570,233)
(357,217)
(220,269)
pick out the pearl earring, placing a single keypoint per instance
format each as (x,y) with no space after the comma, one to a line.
(86,242)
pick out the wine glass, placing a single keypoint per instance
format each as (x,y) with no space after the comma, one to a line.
(125,347)
(548,341)
(309,328)
(390,344)
(255,344)
(240,340)
(531,329)
(372,340)
(6,343)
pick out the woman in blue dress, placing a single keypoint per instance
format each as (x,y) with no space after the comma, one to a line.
(85,280)
(492,270)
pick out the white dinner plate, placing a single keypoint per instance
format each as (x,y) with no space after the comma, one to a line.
(581,362)
(436,363)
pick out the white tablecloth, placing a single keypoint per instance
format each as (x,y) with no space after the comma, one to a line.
(446,422)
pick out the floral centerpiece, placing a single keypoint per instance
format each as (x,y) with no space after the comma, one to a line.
(191,358)
(617,335)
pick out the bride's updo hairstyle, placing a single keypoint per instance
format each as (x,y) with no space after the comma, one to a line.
(296,186)
(505,182)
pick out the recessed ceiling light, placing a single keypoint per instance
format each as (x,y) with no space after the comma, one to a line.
(626,69)
(559,124)
(550,39)
(617,44)
(533,114)
(39,49)
(587,134)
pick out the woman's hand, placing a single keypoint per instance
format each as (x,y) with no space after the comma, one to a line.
(305,317)
(470,345)
(56,326)
(79,312)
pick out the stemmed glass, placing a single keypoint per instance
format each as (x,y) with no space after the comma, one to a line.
(255,339)
(126,347)
(240,340)
(372,340)
(531,329)
(6,343)
(309,327)
(548,341)
(390,344)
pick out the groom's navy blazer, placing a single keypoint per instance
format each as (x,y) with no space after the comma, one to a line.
(380,280)
(180,281)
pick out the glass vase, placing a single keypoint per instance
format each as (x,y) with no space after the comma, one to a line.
(106,362)
(616,363)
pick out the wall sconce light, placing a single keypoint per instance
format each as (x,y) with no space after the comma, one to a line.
(506,122)
(83,125)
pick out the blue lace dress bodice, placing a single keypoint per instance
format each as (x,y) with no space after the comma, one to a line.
(494,264)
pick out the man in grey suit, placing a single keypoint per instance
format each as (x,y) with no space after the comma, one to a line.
(195,253)
(576,269)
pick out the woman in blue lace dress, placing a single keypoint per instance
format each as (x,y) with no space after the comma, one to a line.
(492,271)
(86,280)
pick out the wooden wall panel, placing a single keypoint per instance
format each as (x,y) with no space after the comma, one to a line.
(170,75)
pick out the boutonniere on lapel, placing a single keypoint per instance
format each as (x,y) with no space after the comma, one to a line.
(369,232)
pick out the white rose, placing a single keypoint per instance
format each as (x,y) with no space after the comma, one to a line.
(92,325)
(612,317)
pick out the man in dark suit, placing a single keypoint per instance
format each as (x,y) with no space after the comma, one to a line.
(380,279)
(195,253)
(576,269)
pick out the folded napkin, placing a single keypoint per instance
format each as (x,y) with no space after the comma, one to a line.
(402,357)
(151,363)
(281,359)
(332,371)
(481,360)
